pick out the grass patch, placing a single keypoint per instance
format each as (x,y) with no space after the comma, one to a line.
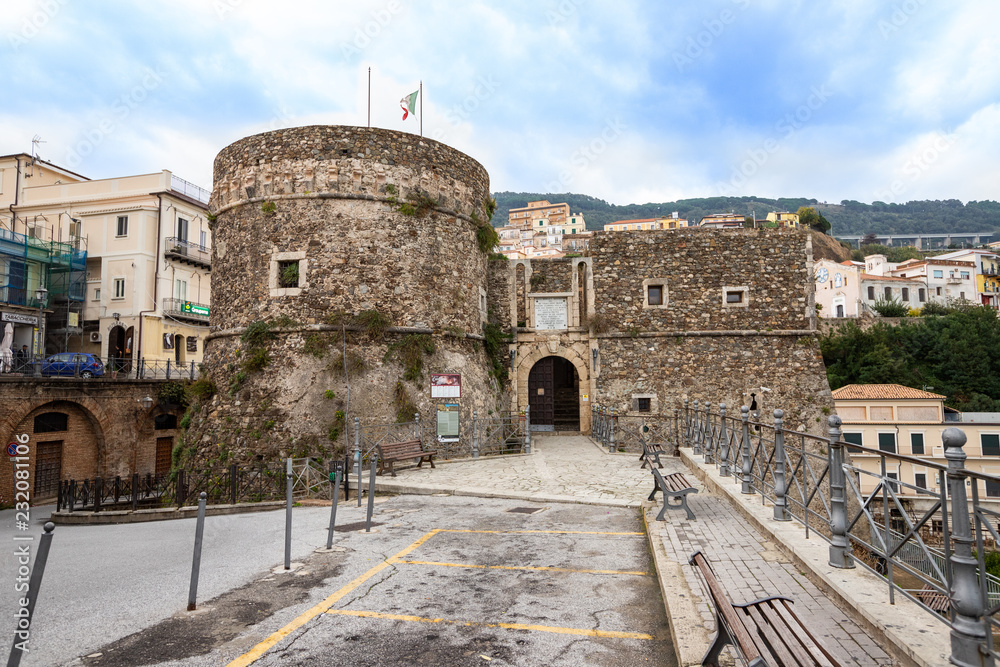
(410,351)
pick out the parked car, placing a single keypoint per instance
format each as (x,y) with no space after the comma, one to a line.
(73,364)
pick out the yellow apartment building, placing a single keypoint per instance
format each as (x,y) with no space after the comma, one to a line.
(903,420)
(646,224)
(783,218)
(143,288)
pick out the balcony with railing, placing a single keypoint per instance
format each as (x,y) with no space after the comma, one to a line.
(183,250)
(182,309)
(190,190)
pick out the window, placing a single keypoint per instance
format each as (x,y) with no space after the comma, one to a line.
(735,297)
(182,229)
(288,273)
(917,443)
(122,229)
(871,293)
(904,294)
(97,294)
(51,422)
(961,295)
(920,479)
(990,443)
(992,489)
(119,288)
(965,275)
(887,442)
(891,484)
(853,439)
(164,422)
(888,293)
(938,273)
(921,295)
(643,404)
(654,295)
(938,292)
(181,290)
(203,239)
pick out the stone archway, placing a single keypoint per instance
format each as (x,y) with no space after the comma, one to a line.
(554,395)
(530,354)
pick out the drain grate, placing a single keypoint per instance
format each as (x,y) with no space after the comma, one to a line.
(525,510)
(357,525)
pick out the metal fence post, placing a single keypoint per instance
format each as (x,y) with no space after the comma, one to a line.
(357,455)
(968,635)
(335,492)
(780,487)
(527,429)
(723,443)
(696,428)
(23,631)
(709,442)
(611,431)
(840,545)
(416,426)
(199,534)
(135,491)
(98,492)
(288,514)
(371,494)
(746,467)
(191,377)
(687,425)
(475,435)
(168,369)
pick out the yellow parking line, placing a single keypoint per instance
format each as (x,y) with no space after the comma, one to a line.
(538,532)
(260,649)
(522,567)
(509,626)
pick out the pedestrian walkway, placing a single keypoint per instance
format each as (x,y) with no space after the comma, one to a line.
(559,469)
(748,565)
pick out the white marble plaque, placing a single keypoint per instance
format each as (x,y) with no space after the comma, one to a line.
(550,313)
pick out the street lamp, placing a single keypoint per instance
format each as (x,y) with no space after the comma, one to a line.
(146,402)
(40,294)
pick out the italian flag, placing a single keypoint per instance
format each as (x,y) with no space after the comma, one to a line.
(409,104)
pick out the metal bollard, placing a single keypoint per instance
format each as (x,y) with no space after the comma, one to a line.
(475,435)
(335,492)
(371,496)
(611,432)
(687,425)
(724,452)
(357,455)
(746,468)
(34,583)
(199,534)
(709,440)
(840,545)
(780,485)
(288,514)
(968,634)
(527,429)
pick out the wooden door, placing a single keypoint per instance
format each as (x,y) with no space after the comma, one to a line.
(48,468)
(164,450)
(541,392)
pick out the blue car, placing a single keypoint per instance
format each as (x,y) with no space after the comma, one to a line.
(73,364)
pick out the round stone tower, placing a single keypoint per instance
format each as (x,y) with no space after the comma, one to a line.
(341,246)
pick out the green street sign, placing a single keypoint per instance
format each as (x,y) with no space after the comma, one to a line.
(194,309)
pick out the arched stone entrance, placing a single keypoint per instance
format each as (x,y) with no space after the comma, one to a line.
(554,395)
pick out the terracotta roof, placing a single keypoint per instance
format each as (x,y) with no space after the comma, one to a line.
(871,392)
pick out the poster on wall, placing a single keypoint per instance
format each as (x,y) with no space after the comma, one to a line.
(447,422)
(446,385)
(192,344)
(168,341)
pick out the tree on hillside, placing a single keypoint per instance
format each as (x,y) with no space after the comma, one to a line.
(811,218)
(871,238)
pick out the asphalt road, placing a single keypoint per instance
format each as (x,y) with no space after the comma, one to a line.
(442,581)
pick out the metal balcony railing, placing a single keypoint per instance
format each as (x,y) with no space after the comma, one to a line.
(189,189)
(187,310)
(185,250)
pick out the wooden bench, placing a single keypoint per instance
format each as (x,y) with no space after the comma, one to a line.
(650,453)
(674,487)
(402,451)
(764,632)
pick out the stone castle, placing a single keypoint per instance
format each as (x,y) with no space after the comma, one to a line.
(351,263)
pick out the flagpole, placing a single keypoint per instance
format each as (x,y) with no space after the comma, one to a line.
(421,108)
(369,97)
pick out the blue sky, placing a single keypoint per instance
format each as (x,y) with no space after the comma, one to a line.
(630,101)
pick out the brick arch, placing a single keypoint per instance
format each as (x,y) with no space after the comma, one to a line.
(94,412)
